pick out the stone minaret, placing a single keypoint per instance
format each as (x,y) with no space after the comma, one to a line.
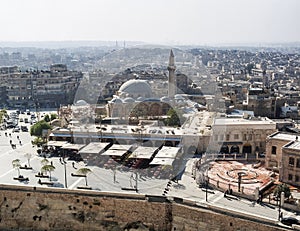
(172,79)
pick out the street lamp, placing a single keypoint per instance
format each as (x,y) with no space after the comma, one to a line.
(206,186)
(281,200)
(64,163)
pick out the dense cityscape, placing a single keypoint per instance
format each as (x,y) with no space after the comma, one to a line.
(150,115)
(213,125)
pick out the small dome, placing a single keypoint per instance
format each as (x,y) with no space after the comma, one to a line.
(81,103)
(136,88)
(116,101)
(128,100)
(140,99)
(179,97)
(165,99)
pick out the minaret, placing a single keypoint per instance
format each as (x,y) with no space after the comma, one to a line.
(172,79)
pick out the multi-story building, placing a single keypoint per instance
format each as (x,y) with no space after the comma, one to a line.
(241,134)
(48,88)
(283,156)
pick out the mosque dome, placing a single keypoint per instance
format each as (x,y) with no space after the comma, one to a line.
(116,100)
(140,99)
(165,99)
(136,88)
(128,100)
(81,103)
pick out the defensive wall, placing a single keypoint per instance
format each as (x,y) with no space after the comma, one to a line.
(34,208)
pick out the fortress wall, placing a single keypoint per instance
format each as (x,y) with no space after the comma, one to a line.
(30,208)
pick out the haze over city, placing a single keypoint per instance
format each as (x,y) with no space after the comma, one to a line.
(196,22)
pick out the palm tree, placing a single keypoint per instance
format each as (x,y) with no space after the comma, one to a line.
(16,164)
(48,168)
(44,162)
(84,171)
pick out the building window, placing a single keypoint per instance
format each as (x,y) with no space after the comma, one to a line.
(274,150)
(297,178)
(250,136)
(227,137)
(245,137)
(298,163)
(236,136)
(291,161)
(290,177)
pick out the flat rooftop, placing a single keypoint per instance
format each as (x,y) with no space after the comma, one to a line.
(242,121)
(284,136)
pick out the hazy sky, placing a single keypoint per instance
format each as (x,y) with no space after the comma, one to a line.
(154,21)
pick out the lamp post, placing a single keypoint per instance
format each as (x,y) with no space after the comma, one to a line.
(281,200)
(64,163)
(206,186)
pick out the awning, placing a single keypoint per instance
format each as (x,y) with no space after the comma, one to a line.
(143,152)
(93,148)
(117,150)
(73,146)
(162,161)
(56,143)
(167,152)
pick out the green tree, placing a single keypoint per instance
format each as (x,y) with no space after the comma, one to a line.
(47,118)
(36,129)
(48,168)
(85,172)
(174,117)
(3,114)
(282,188)
(44,161)
(38,141)
(16,164)
(53,116)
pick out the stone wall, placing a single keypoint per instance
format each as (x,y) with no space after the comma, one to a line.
(30,208)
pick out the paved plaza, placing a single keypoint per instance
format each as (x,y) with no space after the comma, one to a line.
(108,180)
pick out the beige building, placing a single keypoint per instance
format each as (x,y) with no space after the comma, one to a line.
(283,156)
(241,134)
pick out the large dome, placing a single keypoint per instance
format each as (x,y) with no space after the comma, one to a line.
(136,88)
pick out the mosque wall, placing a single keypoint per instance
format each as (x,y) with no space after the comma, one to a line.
(30,208)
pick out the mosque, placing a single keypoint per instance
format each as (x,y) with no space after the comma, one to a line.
(136,99)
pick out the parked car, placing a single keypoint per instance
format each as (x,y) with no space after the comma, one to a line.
(16,129)
(289,221)
(24,129)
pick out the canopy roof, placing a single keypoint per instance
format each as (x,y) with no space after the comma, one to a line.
(93,148)
(56,143)
(167,152)
(73,146)
(162,161)
(117,150)
(143,152)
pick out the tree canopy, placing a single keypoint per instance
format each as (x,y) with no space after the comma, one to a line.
(282,188)
(37,129)
(174,117)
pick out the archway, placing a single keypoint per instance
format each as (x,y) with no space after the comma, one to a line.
(247,148)
(224,149)
(235,149)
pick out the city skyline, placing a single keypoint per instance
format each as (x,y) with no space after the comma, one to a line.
(167,22)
